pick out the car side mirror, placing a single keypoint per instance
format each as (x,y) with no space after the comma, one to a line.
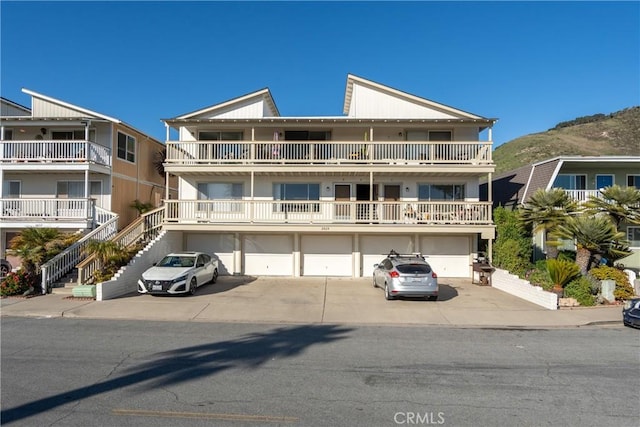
(200,264)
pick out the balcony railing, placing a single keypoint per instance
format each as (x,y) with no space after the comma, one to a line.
(54,152)
(326,212)
(25,209)
(326,152)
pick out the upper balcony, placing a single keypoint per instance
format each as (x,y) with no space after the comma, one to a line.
(52,154)
(211,156)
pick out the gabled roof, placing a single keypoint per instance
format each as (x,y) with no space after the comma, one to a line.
(82,112)
(518,185)
(15,105)
(262,94)
(427,105)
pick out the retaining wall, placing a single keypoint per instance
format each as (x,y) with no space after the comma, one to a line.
(512,284)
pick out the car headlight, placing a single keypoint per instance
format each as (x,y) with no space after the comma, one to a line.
(626,305)
(180,279)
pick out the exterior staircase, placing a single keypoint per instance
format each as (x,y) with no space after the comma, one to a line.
(64,286)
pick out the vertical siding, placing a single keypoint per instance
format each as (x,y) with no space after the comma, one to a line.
(42,108)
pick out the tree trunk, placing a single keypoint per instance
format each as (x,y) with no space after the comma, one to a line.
(583,256)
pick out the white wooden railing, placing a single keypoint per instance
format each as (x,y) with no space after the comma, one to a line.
(143,229)
(54,152)
(326,212)
(327,152)
(101,215)
(582,196)
(65,261)
(28,209)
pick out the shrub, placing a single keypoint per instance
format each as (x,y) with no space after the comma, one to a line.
(17,283)
(581,290)
(539,276)
(562,271)
(512,248)
(623,288)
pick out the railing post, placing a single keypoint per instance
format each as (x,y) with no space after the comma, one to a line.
(43,282)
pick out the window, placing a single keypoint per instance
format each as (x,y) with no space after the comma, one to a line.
(75,189)
(603,181)
(571,182)
(633,236)
(221,191)
(440,135)
(299,192)
(8,135)
(441,192)
(126,147)
(220,151)
(633,181)
(14,189)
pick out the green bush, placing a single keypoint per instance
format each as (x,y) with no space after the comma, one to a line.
(17,283)
(512,248)
(539,276)
(562,271)
(623,287)
(580,289)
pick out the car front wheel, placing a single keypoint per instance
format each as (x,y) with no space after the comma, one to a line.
(214,279)
(193,285)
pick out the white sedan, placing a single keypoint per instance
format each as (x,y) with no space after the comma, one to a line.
(179,273)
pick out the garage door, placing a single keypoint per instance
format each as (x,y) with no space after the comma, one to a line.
(220,245)
(327,256)
(448,255)
(268,255)
(375,248)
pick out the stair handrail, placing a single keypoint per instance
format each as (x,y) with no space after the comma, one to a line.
(66,260)
(143,229)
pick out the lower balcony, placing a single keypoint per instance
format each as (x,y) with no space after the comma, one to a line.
(326,212)
(24,211)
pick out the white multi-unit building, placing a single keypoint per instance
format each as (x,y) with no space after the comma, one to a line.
(67,167)
(328,196)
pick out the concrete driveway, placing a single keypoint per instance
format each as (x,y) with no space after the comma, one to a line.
(319,300)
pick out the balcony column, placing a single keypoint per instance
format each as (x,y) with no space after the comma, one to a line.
(86,141)
(237,254)
(252,150)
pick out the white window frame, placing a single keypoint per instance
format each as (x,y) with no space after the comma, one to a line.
(636,178)
(630,231)
(599,175)
(127,151)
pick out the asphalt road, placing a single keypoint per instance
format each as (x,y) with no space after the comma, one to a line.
(79,372)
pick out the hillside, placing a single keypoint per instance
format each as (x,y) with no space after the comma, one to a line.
(598,135)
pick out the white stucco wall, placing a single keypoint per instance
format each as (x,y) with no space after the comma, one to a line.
(520,288)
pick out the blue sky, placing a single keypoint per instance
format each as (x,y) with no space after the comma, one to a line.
(529,64)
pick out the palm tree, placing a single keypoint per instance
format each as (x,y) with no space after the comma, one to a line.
(620,203)
(158,161)
(34,246)
(109,254)
(593,235)
(545,211)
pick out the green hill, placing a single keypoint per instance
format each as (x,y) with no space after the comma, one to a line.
(598,135)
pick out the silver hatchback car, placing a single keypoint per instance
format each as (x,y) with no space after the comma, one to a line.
(406,275)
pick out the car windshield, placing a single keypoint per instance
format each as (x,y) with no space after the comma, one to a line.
(177,261)
(413,269)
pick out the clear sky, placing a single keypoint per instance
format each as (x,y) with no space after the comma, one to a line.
(529,64)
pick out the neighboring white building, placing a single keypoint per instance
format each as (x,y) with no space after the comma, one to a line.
(329,196)
(67,167)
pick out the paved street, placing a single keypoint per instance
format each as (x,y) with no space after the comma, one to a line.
(89,372)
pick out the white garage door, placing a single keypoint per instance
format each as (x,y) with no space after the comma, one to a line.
(375,248)
(268,255)
(448,255)
(220,245)
(327,256)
